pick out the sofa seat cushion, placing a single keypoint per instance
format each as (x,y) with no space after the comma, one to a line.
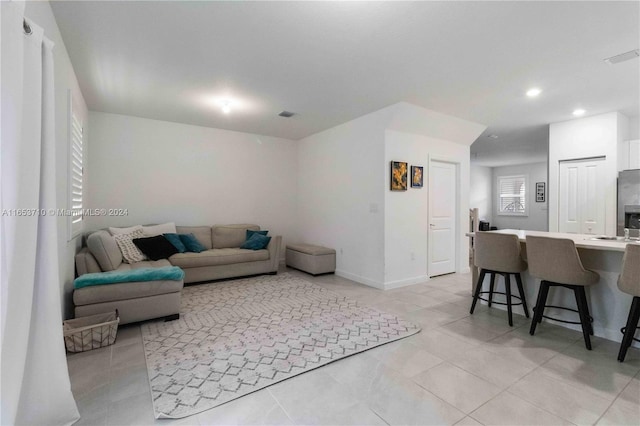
(124,291)
(224,256)
(144,264)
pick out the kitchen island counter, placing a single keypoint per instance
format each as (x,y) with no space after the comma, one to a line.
(609,306)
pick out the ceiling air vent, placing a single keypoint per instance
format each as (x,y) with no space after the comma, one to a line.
(286,114)
(623,57)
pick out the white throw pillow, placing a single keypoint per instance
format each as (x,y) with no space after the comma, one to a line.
(129,230)
(165,228)
(130,252)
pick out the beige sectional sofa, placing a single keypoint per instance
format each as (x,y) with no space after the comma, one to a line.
(155,299)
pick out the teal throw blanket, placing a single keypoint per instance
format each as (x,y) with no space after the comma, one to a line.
(171,273)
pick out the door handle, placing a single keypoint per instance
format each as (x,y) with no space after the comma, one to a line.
(432,225)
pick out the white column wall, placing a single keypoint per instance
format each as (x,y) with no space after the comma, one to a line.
(407,213)
(341,195)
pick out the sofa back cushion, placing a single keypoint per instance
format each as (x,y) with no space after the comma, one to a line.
(86,263)
(104,248)
(202,234)
(231,235)
(154,230)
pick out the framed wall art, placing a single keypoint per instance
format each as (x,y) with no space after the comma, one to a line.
(398,176)
(540,192)
(417,176)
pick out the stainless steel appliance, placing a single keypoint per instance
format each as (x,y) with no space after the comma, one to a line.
(629,202)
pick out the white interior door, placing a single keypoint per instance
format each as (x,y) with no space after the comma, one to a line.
(442,218)
(569,199)
(582,209)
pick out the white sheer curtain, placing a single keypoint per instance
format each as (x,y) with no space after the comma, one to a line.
(35,386)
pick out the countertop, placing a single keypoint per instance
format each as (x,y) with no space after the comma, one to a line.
(584,241)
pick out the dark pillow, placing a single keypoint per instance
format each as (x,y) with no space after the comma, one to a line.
(191,243)
(175,240)
(250,233)
(256,242)
(155,248)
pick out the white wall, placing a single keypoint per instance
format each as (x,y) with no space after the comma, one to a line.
(481,192)
(344,199)
(407,213)
(537,219)
(625,149)
(65,80)
(596,136)
(341,195)
(161,171)
(634,127)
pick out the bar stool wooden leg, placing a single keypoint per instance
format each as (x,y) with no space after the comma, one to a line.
(476,295)
(522,296)
(491,287)
(581,301)
(586,309)
(507,287)
(632,323)
(545,295)
(539,309)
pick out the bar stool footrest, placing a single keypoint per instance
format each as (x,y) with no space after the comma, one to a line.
(513,296)
(561,320)
(624,330)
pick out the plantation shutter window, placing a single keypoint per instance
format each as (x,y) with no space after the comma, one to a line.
(512,198)
(76,158)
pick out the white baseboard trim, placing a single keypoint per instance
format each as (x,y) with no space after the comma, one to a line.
(406,282)
(359,279)
(382,286)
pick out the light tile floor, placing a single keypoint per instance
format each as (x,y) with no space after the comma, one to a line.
(460,369)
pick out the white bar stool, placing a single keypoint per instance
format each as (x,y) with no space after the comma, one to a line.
(557,263)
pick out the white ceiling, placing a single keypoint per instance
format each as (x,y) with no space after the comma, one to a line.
(331,62)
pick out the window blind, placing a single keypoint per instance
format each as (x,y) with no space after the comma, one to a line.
(512,194)
(76,141)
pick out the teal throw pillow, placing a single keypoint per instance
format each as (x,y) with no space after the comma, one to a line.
(250,233)
(191,243)
(175,240)
(256,242)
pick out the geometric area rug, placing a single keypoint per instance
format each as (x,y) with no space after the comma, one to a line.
(237,337)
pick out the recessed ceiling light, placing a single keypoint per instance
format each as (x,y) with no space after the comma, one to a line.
(533,92)
(226,107)
(578,112)
(287,114)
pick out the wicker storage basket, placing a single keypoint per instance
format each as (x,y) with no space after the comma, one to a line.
(92,332)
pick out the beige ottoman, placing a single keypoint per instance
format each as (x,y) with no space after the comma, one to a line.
(312,259)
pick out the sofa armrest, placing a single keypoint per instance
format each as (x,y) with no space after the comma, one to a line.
(86,263)
(274,247)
